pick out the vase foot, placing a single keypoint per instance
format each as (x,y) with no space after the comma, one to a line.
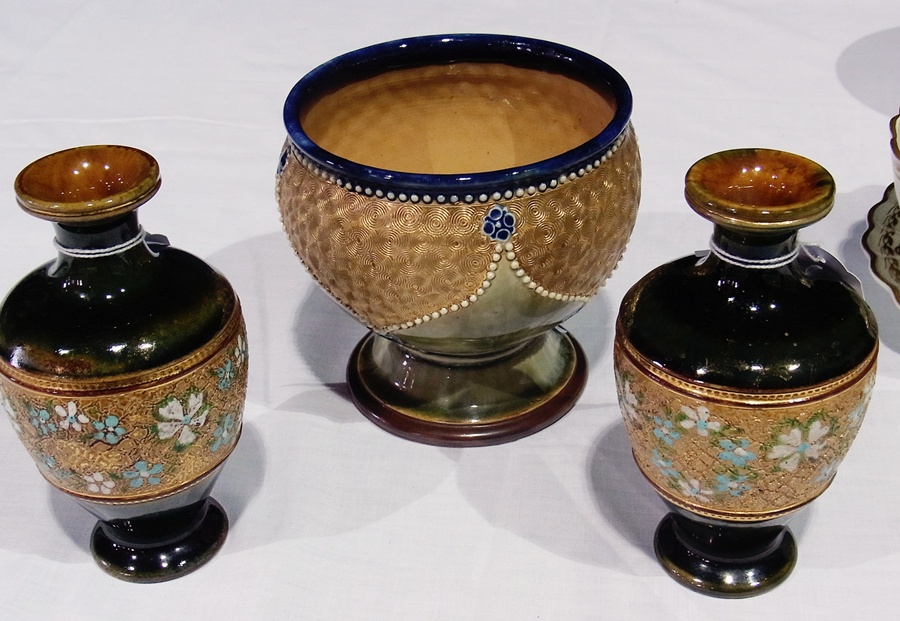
(493,402)
(721,559)
(162,546)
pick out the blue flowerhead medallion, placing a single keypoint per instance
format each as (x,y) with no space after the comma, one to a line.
(499,223)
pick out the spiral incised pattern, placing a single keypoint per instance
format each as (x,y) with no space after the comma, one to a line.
(392,261)
(571,239)
(385,260)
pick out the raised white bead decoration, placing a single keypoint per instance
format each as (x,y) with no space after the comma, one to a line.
(510,256)
(482,197)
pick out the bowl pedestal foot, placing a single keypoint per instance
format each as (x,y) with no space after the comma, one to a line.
(476,404)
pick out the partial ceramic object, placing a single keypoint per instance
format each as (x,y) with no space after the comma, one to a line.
(462,196)
(882,241)
(744,373)
(123,366)
(895,153)
(882,237)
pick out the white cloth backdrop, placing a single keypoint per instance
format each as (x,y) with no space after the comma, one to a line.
(332,518)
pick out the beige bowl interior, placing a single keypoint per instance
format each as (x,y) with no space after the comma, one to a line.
(457,118)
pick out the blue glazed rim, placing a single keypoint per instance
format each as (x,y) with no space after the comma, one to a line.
(442,49)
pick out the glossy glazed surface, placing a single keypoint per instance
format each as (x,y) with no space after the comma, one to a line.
(102,308)
(758,312)
(724,560)
(123,365)
(113,315)
(744,374)
(86,184)
(124,360)
(721,324)
(759,189)
(498,401)
(161,546)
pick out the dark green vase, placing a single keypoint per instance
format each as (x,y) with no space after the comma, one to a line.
(744,373)
(123,365)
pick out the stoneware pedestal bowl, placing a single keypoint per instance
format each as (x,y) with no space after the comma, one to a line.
(462,196)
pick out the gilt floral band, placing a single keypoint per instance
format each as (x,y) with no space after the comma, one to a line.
(738,456)
(116,445)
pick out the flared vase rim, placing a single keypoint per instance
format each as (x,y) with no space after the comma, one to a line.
(33,197)
(814,198)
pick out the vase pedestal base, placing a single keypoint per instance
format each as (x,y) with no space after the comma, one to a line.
(162,546)
(491,402)
(725,559)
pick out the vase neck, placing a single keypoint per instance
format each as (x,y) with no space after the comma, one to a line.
(754,251)
(98,240)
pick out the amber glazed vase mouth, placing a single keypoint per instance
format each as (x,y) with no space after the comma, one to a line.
(456,116)
(87,184)
(757,190)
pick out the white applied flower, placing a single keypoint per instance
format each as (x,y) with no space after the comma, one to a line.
(99,484)
(178,422)
(699,418)
(70,416)
(792,447)
(692,488)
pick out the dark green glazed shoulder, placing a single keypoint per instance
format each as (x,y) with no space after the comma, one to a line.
(120,314)
(748,329)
